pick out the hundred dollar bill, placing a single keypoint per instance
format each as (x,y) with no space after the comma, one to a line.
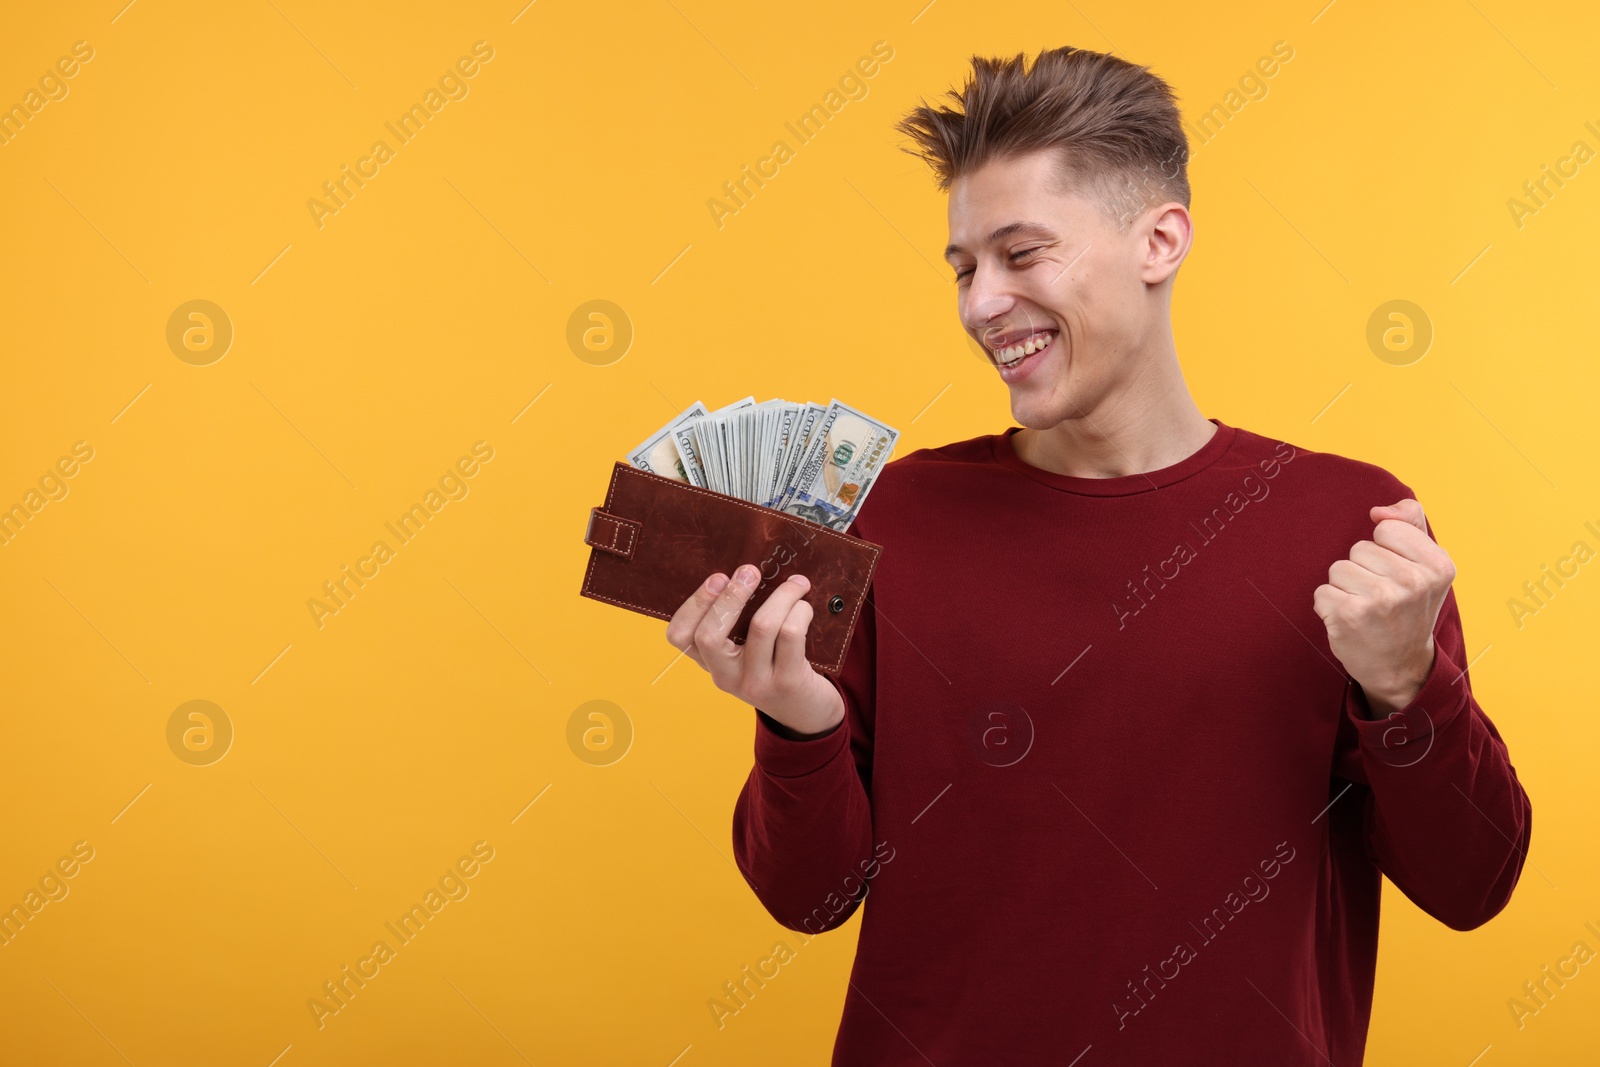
(659,453)
(809,462)
(794,450)
(812,460)
(737,405)
(849,449)
(760,456)
(692,447)
(776,449)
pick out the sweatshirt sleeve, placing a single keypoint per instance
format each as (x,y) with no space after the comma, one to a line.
(802,827)
(1446,818)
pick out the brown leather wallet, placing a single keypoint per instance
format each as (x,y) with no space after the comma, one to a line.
(656,539)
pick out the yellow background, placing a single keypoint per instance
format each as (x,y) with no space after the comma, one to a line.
(432,312)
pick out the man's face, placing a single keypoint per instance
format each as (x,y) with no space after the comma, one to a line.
(1071,282)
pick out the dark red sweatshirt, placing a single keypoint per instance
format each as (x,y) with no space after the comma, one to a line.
(1103,790)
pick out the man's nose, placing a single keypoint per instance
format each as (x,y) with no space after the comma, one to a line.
(987,300)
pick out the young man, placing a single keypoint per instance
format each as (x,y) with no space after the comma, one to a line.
(1142,704)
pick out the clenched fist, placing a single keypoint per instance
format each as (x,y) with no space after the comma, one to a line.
(770,670)
(1380,605)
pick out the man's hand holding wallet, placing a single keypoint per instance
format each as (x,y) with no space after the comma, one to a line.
(760,491)
(769,670)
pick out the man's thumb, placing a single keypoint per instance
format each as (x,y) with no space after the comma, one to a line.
(1406,510)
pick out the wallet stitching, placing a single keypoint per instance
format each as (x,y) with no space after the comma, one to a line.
(616,476)
(618,524)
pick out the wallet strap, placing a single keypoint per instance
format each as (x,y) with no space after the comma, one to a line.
(612,533)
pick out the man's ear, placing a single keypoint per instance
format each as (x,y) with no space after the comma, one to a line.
(1167,232)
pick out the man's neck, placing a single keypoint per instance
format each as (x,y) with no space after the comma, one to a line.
(1133,433)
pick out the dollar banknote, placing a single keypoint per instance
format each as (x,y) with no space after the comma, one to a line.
(815,461)
(847,450)
(686,439)
(659,454)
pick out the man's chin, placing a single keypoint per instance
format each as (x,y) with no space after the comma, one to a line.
(1038,413)
(1042,401)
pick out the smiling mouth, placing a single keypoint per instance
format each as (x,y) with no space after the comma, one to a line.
(1015,354)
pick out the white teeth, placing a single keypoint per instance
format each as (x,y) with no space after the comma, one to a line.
(1009,356)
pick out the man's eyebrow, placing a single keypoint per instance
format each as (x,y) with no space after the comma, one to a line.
(1006,231)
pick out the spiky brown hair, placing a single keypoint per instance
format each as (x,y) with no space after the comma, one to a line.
(1114,126)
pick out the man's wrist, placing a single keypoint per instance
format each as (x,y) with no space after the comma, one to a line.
(1390,699)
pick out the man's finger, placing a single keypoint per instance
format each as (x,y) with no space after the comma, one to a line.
(1326,600)
(790,657)
(1405,540)
(761,641)
(1347,576)
(1407,509)
(681,627)
(711,633)
(1382,558)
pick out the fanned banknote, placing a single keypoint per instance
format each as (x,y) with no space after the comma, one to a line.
(846,451)
(659,454)
(812,460)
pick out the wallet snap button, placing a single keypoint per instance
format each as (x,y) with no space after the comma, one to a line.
(836,603)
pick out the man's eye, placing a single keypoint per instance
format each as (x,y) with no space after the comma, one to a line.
(1014,257)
